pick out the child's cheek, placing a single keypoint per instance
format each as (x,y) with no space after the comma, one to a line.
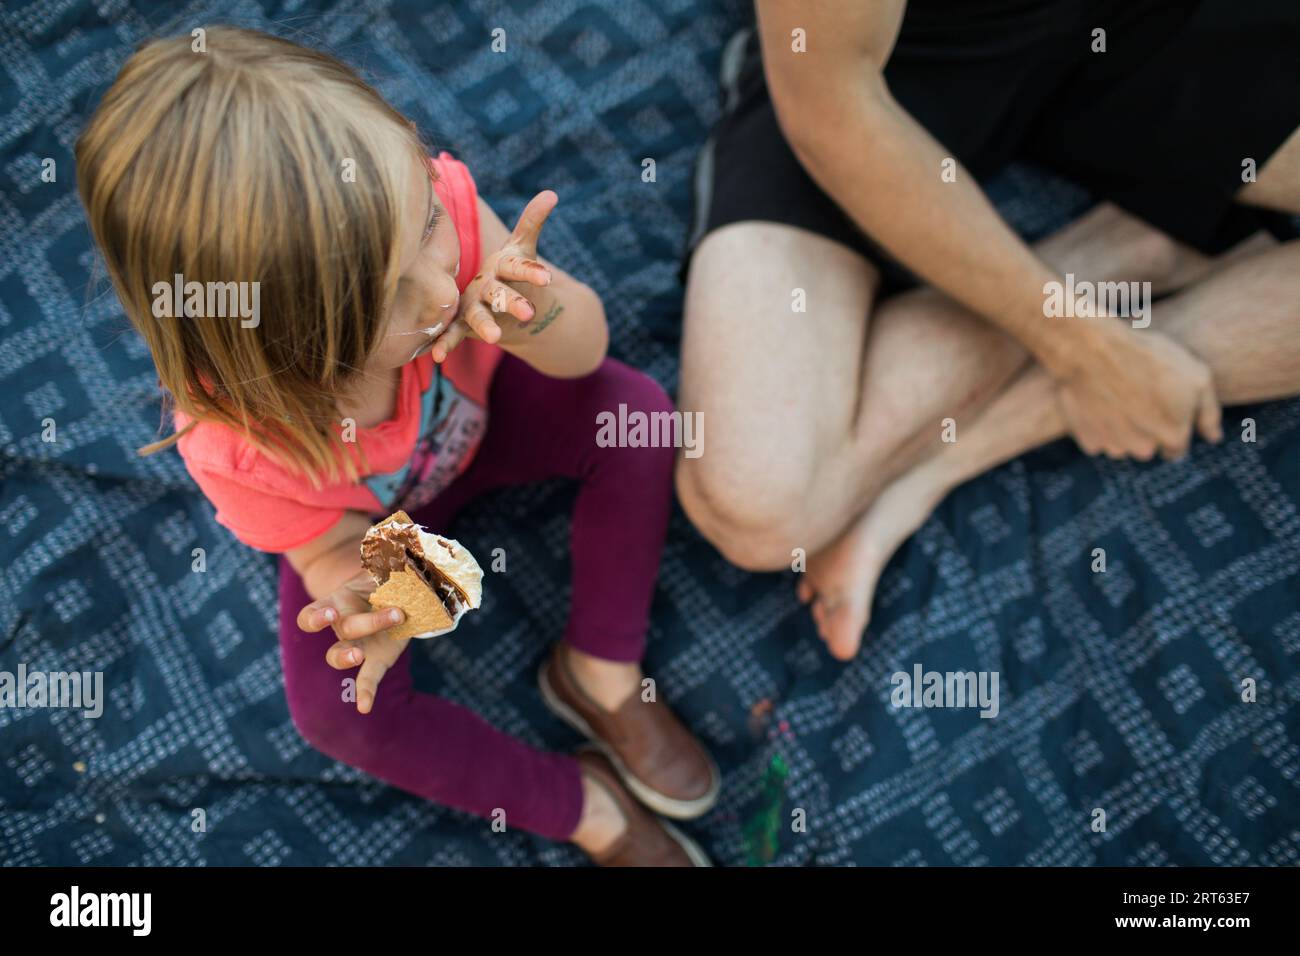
(449,252)
(397,350)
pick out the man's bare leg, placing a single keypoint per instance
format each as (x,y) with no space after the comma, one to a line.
(776,388)
(1241,320)
(810,414)
(900,418)
(1278,185)
(1247,368)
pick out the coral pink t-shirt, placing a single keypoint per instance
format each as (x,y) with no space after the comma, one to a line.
(432,437)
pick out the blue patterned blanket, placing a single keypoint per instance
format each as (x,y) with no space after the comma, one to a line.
(1120,692)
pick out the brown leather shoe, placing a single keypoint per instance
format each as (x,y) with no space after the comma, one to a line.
(654,755)
(647,841)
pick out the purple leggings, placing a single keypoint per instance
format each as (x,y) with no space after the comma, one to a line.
(538,428)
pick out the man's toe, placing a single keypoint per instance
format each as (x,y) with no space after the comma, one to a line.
(846,633)
(804,591)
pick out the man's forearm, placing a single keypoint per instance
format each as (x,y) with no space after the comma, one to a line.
(884,170)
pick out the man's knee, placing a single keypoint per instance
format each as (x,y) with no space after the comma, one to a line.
(752,518)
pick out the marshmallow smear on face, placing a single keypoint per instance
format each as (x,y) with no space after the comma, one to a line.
(434,580)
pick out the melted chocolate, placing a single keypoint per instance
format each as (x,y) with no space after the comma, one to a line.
(437,582)
(395,546)
(388,548)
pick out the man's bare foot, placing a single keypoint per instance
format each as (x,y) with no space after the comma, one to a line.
(608,683)
(841,579)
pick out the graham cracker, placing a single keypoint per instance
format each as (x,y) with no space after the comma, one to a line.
(424,610)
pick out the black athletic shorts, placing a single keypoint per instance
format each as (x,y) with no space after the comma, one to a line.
(1160,123)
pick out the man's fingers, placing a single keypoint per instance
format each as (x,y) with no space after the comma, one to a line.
(531,220)
(523,269)
(502,299)
(1145,450)
(1209,417)
(1173,447)
(1087,444)
(1097,438)
(356,626)
(1134,442)
(1172,452)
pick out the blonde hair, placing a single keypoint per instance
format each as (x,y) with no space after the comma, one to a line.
(228,165)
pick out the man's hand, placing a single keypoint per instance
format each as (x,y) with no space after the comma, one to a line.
(497,303)
(1120,392)
(1135,393)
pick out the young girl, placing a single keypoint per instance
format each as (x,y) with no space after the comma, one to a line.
(394,319)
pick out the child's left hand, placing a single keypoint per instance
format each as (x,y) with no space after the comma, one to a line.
(364,640)
(496,304)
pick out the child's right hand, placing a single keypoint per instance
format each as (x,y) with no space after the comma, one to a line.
(362,632)
(504,296)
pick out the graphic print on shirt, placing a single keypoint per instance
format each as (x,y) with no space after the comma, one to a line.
(443,444)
